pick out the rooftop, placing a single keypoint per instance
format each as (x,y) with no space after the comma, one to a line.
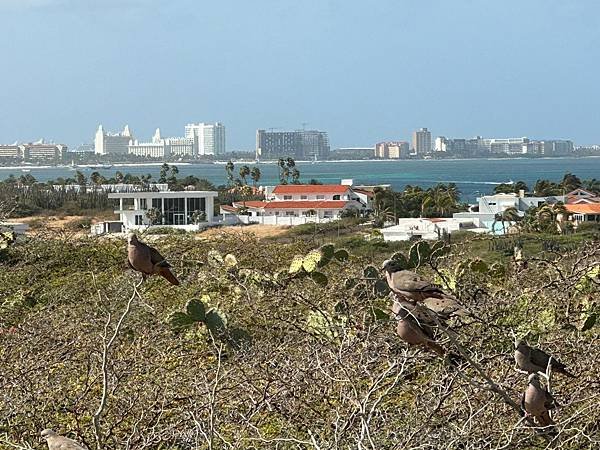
(586,208)
(310,189)
(163,194)
(302,204)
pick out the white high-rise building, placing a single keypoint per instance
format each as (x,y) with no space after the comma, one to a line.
(107,143)
(211,137)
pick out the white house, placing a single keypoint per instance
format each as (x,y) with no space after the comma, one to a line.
(176,207)
(430,229)
(294,204)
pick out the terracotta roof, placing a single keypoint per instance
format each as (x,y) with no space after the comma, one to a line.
(590,208)
(302,204)
(250,204)
(310,189)
(228,208)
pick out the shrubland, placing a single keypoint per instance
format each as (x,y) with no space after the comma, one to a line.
(282,345)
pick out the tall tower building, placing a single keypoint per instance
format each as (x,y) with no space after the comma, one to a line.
(421,141)
(107,143)
(211,137)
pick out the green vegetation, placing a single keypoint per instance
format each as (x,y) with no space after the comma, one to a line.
(268,344)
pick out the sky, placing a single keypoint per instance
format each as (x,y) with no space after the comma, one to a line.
(364,71)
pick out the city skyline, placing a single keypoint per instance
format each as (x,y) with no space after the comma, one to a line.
(459,68)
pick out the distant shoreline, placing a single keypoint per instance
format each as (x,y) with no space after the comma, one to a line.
(245,161)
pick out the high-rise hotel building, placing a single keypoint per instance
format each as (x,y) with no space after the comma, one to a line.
(210,136)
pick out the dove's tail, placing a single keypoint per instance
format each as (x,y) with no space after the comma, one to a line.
(166,273)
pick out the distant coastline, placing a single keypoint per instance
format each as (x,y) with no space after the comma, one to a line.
(273,161)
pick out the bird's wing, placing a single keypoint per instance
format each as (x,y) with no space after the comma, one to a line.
(68,444)
(539,357)
(445,306)
(157,258)
(409,282)
(549,401)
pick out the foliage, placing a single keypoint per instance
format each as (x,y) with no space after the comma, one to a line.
(245,354)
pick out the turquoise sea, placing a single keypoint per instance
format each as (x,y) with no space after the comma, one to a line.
(473,177)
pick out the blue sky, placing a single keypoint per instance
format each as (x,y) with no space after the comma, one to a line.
(362,70)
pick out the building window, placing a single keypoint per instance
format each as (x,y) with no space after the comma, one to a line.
(174,211)
(157,203)
(304,197)
(287,197)
(193,205)
(139,219)
(142,203)
(336,197)
(290,213)
(320,197)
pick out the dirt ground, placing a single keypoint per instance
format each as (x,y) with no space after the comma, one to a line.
(260,231)
(70,223)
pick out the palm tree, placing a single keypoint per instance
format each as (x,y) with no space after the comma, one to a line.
(96,179)
(255,175)
(282,165)
(229,168)
(244,172)
(295,176)
(570,182)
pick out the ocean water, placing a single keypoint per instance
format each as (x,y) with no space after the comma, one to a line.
(473,177)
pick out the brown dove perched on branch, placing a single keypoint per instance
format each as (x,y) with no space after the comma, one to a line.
(148,260)
(537,402)
(416,327)
(58,442)
(413,287)
(533,360)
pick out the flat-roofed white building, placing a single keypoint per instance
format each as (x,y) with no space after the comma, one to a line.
(187,210)
(430,229)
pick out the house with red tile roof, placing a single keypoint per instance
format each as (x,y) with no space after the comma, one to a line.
(581,196)
(294,204)
(583,212)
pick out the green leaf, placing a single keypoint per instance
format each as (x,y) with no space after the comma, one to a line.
(311,261)
(342,255)
(179,320)
(328,250)
(196,310)
(319,278)
(419,253)
(479,266)
(589,322)
(371,272)
(215,322)
(296,265)
(379,314)
(402,262)
(381,288)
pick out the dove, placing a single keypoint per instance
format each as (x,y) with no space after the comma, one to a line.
(408,283)
(413,287)
(58,442)
(415,327)
(537,402)
(148,260)
(533,360)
